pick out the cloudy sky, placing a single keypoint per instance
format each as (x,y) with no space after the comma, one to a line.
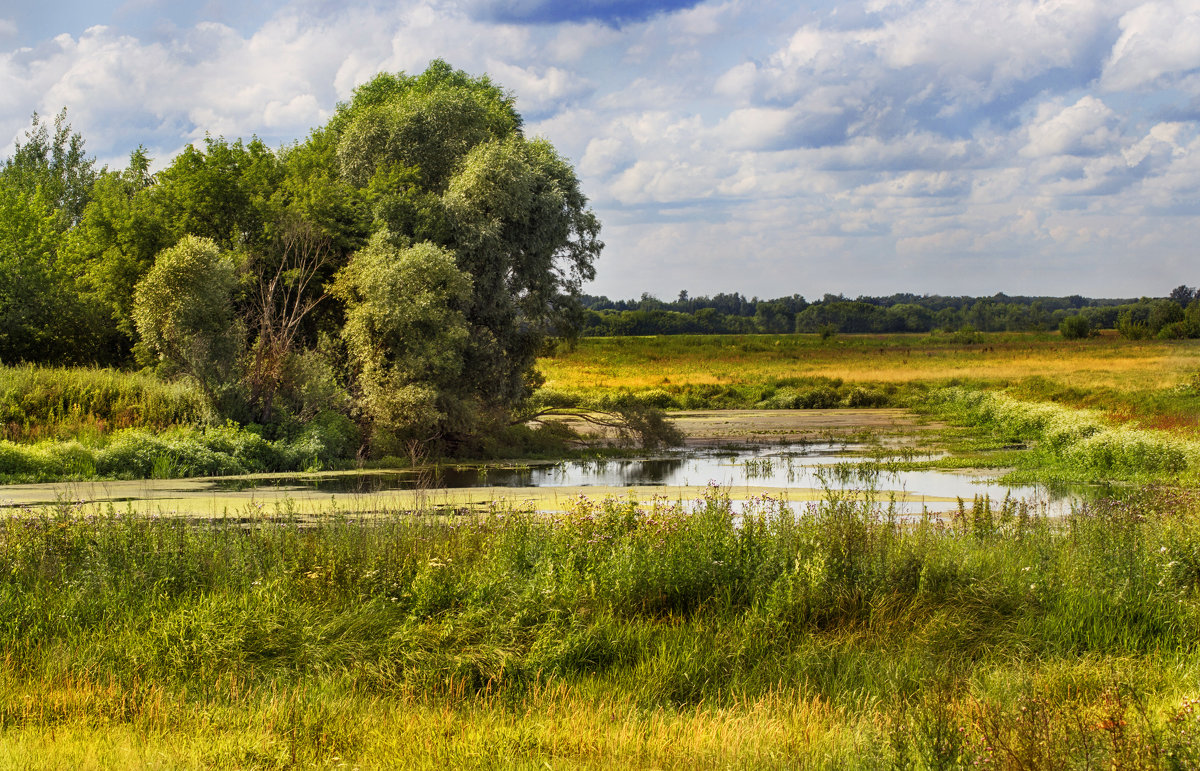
(771,148)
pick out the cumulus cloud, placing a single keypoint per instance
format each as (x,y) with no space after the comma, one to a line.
(1084,128)
(927,145)
(1158,40)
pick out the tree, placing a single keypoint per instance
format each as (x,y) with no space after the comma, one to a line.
(31,299)
(113,247)
(280,304)
(406,334)
(1183,295)
(441,158)
(528,241)
(44,315)
(1075,327)
(56,166)
(184,314)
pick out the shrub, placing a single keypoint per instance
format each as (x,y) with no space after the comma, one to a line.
(1075,328)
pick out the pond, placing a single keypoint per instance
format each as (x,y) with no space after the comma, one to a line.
(797,472)
(801,471)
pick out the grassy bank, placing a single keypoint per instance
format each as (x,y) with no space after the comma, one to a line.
(79,423)
(612,635)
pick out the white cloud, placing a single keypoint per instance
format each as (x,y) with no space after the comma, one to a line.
(767,147)
(537,89)
(1084,128)
(1158,39)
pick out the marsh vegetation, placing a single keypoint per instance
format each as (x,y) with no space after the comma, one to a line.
(615,633)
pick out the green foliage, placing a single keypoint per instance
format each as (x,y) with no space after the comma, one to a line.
(55,168)
(405,333)
(43,189)
(528,242)
(135,453)
(217,264)
(1075,328)
(183,309)
(33,292)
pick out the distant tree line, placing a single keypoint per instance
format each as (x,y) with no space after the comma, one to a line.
(1177,315)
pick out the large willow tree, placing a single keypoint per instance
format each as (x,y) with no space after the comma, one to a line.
(442,158)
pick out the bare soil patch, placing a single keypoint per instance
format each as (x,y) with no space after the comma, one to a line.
(706,428)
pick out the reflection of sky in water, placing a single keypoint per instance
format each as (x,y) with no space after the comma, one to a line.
(800,467)
(741,474)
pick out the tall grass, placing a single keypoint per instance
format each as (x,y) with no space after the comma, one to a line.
(179,452)
(64,402)
(653,635)
(1081,439)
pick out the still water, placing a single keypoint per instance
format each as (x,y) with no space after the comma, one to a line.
(744,472)
(797,472)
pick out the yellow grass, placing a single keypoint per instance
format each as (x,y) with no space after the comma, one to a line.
(1105,362)
(81,725)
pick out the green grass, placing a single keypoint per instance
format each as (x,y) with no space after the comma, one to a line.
(38,403)
(610,635)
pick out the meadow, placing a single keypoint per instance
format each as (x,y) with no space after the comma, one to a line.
(1152,382)
(655,634)
(613,635)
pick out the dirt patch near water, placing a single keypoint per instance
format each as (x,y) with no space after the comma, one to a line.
(707,428)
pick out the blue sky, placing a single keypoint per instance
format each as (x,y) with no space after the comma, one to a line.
(771,148)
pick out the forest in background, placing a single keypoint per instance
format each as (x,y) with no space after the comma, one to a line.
(1174,316)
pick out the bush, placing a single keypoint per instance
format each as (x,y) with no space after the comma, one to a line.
(1075,328)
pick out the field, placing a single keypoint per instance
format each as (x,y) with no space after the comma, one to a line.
(620,633)
(1150,381)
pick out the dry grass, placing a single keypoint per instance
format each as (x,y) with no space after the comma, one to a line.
(647,362)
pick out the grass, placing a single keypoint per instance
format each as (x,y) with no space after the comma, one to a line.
(1149,382)
(62,403)
(611,634)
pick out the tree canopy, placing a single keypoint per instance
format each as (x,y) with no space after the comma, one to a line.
(412,254)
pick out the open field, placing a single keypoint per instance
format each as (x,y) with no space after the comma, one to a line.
(1150,381)
(645,362)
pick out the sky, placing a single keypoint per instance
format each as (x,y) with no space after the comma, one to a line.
(769,148)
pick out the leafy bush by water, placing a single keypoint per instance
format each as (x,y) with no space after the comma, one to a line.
(181,452)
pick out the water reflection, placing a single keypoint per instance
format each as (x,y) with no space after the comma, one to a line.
(820,467)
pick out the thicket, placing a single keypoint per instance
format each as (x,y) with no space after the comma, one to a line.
(1000,636)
